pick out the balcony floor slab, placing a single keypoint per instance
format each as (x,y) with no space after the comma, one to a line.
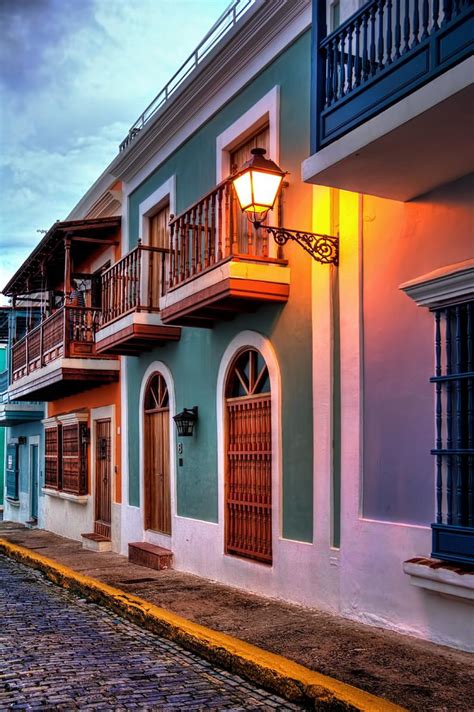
(134,333)
(64,377)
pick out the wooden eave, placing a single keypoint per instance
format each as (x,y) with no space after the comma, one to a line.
(50,252)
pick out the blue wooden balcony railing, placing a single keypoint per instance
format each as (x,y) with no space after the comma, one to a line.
(382,53)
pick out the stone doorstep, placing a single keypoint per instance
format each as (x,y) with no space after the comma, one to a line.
(96,542)
(441,577)
(150,556)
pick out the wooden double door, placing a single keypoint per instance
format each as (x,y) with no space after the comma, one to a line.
(157,456)
(248,484)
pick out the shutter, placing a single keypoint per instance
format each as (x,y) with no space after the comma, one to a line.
(74,458)
(52,438)
(12,471)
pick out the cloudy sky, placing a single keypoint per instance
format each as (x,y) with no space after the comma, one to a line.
(74,75)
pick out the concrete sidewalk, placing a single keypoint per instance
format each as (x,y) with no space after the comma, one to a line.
(415,674)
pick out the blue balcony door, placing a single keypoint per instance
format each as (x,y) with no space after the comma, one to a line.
(34,477)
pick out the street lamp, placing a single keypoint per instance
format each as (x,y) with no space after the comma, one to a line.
(257,186)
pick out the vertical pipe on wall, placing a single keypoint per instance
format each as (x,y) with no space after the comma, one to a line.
(336,379)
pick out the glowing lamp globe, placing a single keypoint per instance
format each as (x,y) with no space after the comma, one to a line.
(257,185)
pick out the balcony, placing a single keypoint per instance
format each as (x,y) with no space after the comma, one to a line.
(219,266)
(58,357)
(13,412)
(131,289)
(392,91)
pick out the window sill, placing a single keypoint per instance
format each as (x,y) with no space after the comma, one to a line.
(441,577)
(13,502)
(76,498)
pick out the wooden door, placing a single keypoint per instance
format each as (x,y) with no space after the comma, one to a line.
(159,237)
(248,486)
(157,456)
(34,476)
(248,240)
(103,477)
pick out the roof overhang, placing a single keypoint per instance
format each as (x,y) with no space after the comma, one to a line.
(49,253)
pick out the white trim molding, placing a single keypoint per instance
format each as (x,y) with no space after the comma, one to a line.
(442,286)
(75,498)
(265,111)
(440,579)
(163,195)
(257,341)
(152,537)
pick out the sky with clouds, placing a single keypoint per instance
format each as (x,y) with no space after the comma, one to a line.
(74,76)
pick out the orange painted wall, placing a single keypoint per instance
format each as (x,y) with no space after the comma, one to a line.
(96,398)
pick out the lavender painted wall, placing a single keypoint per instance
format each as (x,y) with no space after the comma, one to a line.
(402,241)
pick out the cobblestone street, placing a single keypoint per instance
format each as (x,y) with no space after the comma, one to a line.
(61,652)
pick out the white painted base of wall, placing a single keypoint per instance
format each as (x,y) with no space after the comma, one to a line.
(72,519)
(17,511)
(68,518)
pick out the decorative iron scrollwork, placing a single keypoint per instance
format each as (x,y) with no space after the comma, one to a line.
(322,248)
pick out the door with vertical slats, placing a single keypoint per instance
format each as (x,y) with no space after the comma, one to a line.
(103,478)
(248,485)
(157,456)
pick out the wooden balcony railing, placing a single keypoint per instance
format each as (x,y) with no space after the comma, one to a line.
(380,54)
(134,283)
(69,332)
(210,231)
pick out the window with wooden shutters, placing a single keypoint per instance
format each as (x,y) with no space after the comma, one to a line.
(248,240)
(52,438)
(12,471)
(74,458)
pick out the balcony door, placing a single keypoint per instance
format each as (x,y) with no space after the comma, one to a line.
(158,237)
(248,482)
(157,488)
(249,242)
(34,477)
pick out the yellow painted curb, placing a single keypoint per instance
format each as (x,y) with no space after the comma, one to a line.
(289,679)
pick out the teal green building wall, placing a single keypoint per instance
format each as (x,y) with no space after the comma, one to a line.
(194,360)
(3,365)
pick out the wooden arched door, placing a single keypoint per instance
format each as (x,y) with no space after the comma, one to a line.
(248,480)
(157,456)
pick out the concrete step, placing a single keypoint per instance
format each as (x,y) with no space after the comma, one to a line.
(149,555)
(96,542)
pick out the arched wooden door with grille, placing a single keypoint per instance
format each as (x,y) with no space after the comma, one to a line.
(157,489)
(248,480)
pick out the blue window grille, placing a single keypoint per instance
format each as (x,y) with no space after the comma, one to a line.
(12,472)
(453,531)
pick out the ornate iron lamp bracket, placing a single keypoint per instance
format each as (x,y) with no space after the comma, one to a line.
(322,248)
